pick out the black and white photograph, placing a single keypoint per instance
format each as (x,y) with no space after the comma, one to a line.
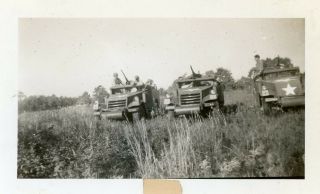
(167,98)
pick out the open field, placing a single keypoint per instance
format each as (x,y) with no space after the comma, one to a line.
(69,143)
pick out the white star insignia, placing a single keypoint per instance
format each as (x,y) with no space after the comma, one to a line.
(289,90)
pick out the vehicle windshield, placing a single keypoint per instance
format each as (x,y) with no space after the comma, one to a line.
(125,90)
(287,73)
(282,74)
(270,76)
(196,83)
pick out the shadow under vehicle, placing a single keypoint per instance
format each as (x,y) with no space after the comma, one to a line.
(195,95)
(279,88)
(129,102)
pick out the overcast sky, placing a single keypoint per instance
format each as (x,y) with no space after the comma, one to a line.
(69,56)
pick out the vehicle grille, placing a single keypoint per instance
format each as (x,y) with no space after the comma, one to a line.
(117,104)
(187,99)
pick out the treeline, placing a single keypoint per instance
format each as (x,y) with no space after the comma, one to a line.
(37,103)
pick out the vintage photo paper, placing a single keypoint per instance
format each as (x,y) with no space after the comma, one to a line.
(107,101)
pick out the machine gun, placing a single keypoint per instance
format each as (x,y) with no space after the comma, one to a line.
(127,81)
(195,75)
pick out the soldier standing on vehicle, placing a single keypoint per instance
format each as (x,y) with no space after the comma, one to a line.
(116,79)
(256,77)
(137,81)
(150,83)
(259,65)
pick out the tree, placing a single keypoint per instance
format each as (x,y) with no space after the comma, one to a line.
(84,98)
(100,93)
(225,77)
(275,62)
(36,103)
(243,83)
(210,73)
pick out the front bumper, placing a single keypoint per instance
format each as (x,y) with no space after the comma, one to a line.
(292,101)
(113,114)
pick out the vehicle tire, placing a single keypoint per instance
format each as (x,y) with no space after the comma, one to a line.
(266,107)
(97,117)
(136,116)
(139,115)
(257,98)
(170,114)
(97,120)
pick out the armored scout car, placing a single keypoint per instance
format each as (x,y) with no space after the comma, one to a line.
(130,102)
(195,94)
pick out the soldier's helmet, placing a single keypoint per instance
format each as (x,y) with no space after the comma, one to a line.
(136,77)
(115,74)
(149,82)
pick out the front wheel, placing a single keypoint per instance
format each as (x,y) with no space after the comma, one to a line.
(97,117)
(139,115)
(266,107)
(170,114)
(136,116)
(257,98)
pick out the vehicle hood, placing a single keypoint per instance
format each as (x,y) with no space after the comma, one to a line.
(118,96)
(290,86)
(193,90)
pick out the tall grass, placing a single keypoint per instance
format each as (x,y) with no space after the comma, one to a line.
(245,147)
(69,143)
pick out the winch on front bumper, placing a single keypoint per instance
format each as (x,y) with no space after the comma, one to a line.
(187,110)
(292,101)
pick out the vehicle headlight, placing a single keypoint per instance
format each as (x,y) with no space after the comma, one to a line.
(136,99)
(96,105)
(166,101)
(264,91)
(213,91)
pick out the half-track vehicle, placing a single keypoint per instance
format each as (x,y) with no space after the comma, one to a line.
(279,88)
(129,102)
(195,94)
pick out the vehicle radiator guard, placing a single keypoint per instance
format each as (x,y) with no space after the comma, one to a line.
(189,99)
(119,103)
